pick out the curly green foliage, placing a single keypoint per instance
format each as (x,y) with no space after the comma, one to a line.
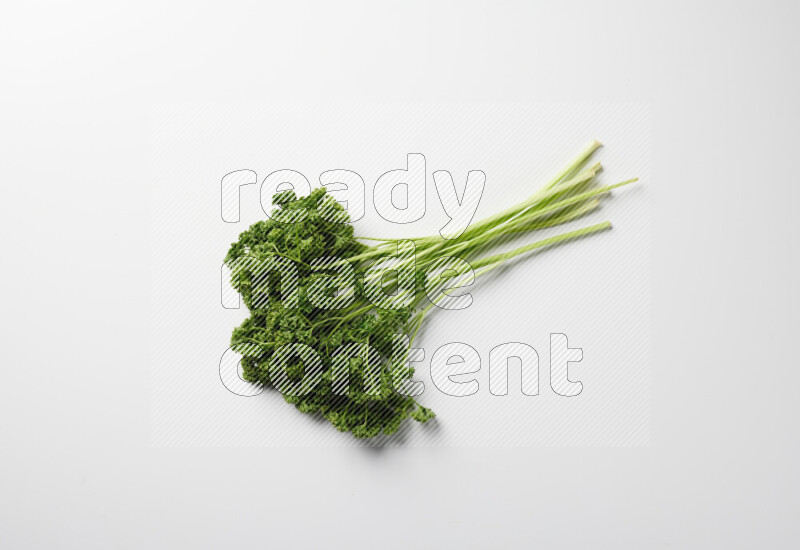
(272,325)
(305,229)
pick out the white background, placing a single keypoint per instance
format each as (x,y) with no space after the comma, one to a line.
(78,84)
(595,290)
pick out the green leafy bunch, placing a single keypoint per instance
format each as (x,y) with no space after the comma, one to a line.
(303,230)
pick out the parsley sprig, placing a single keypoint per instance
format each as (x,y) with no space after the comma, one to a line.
(302,230)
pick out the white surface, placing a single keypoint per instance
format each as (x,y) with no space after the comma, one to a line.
(78,84)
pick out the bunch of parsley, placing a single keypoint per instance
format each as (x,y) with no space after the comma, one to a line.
(303,230)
